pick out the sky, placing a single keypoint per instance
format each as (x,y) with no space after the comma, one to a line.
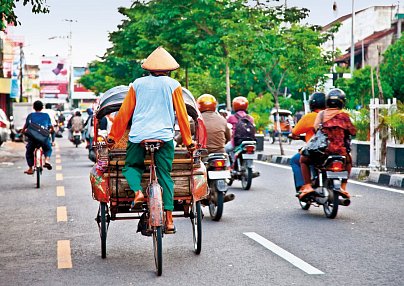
(95,19)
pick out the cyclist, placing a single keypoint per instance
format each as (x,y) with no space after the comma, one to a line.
(151,102)
(44,120)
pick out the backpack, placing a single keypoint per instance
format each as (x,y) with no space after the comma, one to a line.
(244,131)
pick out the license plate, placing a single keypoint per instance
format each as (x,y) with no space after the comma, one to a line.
(337,175)
(214,175)
(250,156)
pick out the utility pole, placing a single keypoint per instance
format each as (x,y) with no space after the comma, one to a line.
(71,84)
(1,58)
(21,76)
(353,39)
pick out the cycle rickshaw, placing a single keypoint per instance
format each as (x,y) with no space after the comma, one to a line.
(285,123)
(111,189)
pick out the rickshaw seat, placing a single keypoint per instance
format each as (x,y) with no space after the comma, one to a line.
(152,142)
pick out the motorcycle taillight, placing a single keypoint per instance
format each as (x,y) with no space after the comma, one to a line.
(249,149)
(219,163)
(336,166)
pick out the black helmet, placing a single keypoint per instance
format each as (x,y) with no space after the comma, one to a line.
(317,101)
(335,98)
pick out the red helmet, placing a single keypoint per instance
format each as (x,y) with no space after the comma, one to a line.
(207,102)
(240,103)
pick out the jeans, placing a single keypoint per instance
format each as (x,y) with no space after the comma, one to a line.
(297,171)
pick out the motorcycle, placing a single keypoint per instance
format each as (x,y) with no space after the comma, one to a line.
(327,178)
(243,163)
(76,138)
(218,172)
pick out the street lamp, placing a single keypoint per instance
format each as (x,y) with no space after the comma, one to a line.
(71,61)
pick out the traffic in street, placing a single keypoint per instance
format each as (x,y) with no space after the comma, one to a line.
(264,238)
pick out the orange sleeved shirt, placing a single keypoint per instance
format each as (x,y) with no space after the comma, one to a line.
(305,125)
(182,116)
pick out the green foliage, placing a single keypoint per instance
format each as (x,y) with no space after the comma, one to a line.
(264,54)
(290,104)
(392,68)
(359,88)
(259,108)
(396,123)
(7,10)
(361,121)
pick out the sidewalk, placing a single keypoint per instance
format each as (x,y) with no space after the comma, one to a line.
(360,174)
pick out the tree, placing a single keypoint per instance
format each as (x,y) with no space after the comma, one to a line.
(392,68)
(358,89)
(7,10)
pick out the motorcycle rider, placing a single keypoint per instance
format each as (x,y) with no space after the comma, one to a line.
(216,126)
(44,120)
(150,102)
(89,128)
(338,127)
(76,123)
(305,125)
(240,105)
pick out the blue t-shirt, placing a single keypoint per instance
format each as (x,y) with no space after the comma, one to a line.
(40,118)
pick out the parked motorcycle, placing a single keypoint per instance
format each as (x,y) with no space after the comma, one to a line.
(218,172)
(327,178)
(92,155)
(243,163)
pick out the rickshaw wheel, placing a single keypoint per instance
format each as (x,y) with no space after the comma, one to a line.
(158,249)
(103,228)
(196,220)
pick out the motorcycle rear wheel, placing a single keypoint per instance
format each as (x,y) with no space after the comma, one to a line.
(331,206)
(216,201)
(246,177)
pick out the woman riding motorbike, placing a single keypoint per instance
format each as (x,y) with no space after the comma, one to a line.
(305,126)
(338,127)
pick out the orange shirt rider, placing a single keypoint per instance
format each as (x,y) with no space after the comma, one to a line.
(306,125)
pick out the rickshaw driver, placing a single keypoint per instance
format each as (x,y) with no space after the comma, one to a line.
(152,100)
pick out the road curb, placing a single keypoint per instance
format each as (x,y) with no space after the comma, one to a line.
(359,174)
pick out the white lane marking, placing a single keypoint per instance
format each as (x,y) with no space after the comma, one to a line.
(376,187)
(296,261)
(350,180)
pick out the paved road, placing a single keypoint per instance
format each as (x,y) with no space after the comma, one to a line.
(264,238)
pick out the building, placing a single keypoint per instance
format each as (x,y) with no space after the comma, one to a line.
(375,29)
(82,98)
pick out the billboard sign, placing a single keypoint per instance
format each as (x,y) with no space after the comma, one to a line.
(53,70)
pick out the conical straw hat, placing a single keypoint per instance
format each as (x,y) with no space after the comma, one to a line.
(160,60)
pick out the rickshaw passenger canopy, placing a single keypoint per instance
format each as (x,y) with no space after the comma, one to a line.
(111,100)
